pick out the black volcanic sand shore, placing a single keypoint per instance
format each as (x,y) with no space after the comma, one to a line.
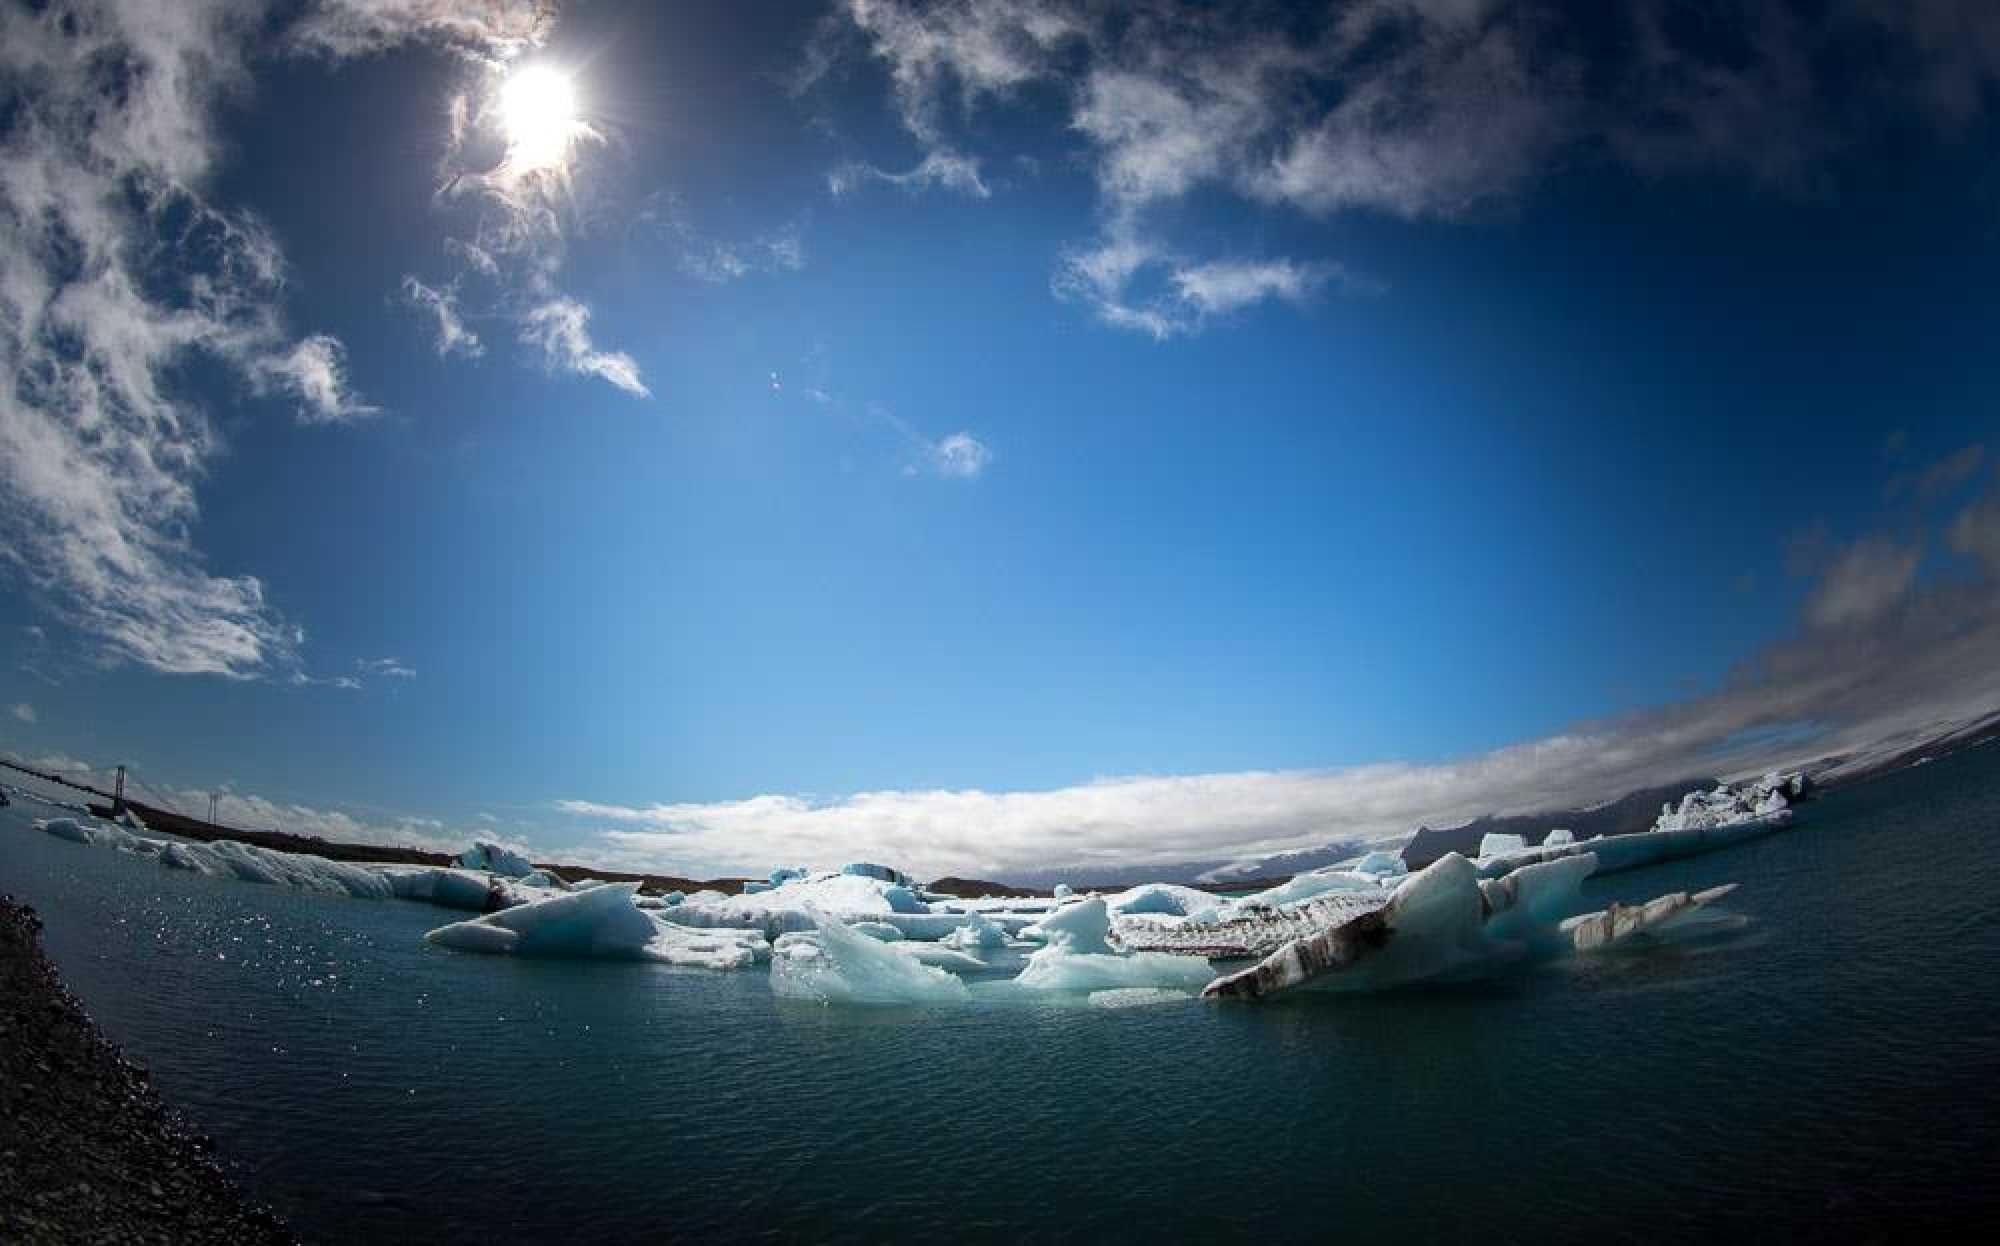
(88,1152)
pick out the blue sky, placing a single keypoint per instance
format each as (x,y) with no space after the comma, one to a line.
(992,436)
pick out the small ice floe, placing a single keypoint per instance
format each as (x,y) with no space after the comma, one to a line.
(830,964)
(1676,915)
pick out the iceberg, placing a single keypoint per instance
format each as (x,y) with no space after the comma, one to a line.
(225,858)
(1078,956)
(1495,844)
(484,855)
(1558,837)
(849,897)
(978,932)
(598,923)
(1160,898)
(1431,924)
(1767,798)
(830,964)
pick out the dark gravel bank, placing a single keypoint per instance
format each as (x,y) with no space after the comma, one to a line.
(88,1153)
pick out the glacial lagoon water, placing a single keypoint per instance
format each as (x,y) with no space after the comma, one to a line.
(1833,1070)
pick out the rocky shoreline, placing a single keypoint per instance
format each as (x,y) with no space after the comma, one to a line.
(88,1152)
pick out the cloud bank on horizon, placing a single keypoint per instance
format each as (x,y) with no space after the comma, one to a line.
(1877,657)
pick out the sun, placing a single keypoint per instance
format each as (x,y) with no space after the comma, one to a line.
(539,111)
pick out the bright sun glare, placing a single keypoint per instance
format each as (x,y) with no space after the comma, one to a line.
(538,108)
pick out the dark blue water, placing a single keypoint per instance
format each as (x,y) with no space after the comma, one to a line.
(1833,1072)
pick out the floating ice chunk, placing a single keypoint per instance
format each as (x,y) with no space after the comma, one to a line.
(1079,927)
(65,828)
(1138,997)
(757,887)
(453,889)
(1057,968)
(1381,864)
(1431,924)
(1674,915)
(864,869)
(1558,837)
(902,900)
(1062,891)
(877,930)
(601,922)
(831,964)
(493,858)
(1162,898)
(977,932)
(672,898)
(1497,844)
(784,875)
(1079,957)
(1305,886)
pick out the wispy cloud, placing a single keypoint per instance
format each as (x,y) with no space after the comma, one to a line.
(447,326)
(386,668)
(938,170)
(560,330)
(21,711)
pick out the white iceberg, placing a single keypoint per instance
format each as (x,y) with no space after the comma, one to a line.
(1078,956)
(598,923)
(978,933)
(1497,844)
(830,964)
(1167,899)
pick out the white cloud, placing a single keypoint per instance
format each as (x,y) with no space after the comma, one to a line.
(1421,109)
(560,328)
(22,712)
(448,327)
(251,812)
(961,456)
(114,273)
(493,29)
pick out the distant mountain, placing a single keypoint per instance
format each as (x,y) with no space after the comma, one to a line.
(1634,811)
